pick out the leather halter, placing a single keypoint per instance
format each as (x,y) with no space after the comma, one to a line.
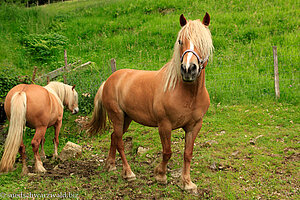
(200,61)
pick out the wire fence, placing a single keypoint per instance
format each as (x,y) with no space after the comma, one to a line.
(249,80)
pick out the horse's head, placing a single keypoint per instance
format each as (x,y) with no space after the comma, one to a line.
(195,45)
(73,101)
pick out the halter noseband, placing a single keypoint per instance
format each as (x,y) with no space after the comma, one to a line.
(200,61)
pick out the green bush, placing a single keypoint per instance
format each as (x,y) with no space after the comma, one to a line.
(44,47)
(86,88)
(9,79)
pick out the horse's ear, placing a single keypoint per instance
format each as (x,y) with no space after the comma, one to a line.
(182,20)
(73,87)
(206,19)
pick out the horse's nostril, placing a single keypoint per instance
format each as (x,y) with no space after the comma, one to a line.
(193,67)
(182,68)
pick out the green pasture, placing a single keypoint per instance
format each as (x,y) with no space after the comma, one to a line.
(242,152)
(248,147)
(141,35)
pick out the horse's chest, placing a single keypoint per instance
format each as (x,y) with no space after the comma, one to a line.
(185,110)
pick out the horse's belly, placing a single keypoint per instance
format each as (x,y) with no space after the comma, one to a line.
(142,117)
(145,122)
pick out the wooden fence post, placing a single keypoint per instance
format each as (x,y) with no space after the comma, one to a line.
(48,80)
(66,65)
(33,75)
(113,65)
(276,74)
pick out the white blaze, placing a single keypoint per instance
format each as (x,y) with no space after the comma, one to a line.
(189,56)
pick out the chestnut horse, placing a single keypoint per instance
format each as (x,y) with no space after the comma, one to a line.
(173,97)
(39,108)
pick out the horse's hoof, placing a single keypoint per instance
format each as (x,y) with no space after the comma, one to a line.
(25,171)
(110,166)
(191,188)
(129,176)
(40,171)
(39,168)
(162,179)
(54,157)
(129,179)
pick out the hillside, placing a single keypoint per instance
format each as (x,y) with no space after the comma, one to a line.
(141,35)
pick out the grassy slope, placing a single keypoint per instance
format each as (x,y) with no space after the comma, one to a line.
(141,35)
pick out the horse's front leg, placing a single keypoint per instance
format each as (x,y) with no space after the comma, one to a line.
(56,140)
(190,136)
(165,137)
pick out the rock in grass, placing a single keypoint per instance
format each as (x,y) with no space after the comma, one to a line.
(70,150)
(142,150)
(235,153)
(252,142)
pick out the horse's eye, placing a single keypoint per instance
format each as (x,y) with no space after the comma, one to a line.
(180,42)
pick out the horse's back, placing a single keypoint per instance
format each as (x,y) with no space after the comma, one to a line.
(38,103)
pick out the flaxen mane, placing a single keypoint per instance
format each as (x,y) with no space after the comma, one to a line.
(61,91)
(200,36)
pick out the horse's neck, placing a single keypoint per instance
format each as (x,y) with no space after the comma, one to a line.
(201,81)
(198,86)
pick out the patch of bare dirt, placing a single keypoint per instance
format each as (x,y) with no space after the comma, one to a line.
(165,11)
(295,157)
(80,168)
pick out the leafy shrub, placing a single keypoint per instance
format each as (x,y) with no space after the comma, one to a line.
(9,79)
(44,47)
(86,88)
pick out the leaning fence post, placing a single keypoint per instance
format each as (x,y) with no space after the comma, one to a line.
(65,68)
(276,74)
(113,65)
(33,75)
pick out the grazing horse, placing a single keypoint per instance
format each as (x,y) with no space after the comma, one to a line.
(39,108)
(173,97)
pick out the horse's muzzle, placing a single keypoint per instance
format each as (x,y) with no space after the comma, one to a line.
(75,110)
(190,74)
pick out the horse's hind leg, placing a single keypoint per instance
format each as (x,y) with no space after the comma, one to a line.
(42,153)
(23,156)
(39,135)
(56,140)
(111,159)
(120,125)
(165,137)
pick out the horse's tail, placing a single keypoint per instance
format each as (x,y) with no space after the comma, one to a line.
(98,121)
(15,131)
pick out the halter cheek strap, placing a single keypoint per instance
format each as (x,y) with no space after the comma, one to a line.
(200,61)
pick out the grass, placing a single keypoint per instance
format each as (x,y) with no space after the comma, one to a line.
(141,36)
(242,152)
(248,147)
